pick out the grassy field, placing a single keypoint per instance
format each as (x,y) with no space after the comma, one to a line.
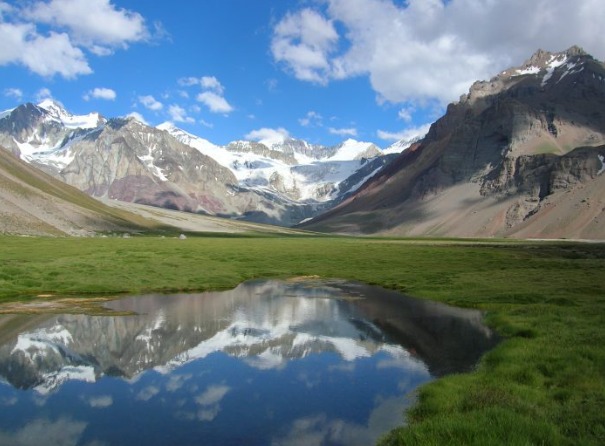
(544,384)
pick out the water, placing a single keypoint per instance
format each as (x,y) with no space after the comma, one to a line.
(268,363)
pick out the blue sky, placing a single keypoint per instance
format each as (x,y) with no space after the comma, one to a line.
(319,70)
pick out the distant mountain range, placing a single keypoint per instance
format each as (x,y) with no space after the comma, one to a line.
(282,183)
(520,155)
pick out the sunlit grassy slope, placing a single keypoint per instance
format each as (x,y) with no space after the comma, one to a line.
(544,384)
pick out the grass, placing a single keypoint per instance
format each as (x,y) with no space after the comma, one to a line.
(544,384)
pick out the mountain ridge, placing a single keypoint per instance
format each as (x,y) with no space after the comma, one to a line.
(495,163)
(124,159)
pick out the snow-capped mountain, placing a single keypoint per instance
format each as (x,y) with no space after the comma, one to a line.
(282,182)
(292,168)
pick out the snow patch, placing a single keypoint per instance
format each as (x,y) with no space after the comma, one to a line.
(602,169)
(552,65)
(59,114)
(37,344)
(51,381)
(528,70)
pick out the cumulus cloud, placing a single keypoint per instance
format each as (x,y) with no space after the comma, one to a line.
(311,119)
(106,94)
(407,134)
(422,50)
(15,93)
(303,42)
(43,93)
(43,55)
(73,26)
(179,114)
(215,102)
(212,95)
(139,117)
(96,24)
(212,83)
(268,136)
(151,103)
(343,132)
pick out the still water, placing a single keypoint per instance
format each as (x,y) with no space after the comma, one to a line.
(268,363)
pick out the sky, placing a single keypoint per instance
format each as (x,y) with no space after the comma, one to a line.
(319,70)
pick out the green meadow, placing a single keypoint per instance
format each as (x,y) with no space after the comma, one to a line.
(543,384)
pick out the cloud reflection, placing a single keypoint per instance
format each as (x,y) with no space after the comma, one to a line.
(63,431)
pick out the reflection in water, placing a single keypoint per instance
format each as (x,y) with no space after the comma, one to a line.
(266,363)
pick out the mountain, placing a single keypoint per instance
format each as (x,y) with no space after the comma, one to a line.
(291,169)
(281,182)
(34,203)
(520,155)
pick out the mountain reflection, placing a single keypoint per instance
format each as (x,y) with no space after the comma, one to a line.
(265,322)
(269,362)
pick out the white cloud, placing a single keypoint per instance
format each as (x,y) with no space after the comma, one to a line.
(101,93)
(212,95)
(179,114)
(343,132)
(303,42)
(407,134)
(188,81)
(15,93)
(311,119)
(151,103)
(96,24)
(43,93)
(72,25)
(139,117)
(215,102)
(422,50)
(212,83)
(406,113)
(43,55)
(268,136)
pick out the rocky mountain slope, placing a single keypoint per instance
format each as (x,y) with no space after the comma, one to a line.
(34,203)
(520,155)
(123,159)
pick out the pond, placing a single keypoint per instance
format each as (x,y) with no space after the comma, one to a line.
(267,363)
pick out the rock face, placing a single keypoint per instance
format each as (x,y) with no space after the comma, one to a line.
(127,161)
(519,155)
(34,203)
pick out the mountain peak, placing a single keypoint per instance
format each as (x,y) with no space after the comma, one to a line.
(55,108)
(57,112)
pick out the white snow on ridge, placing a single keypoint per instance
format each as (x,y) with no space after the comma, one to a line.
(350,150)
(59,114)
(54,380)
(528,70)
(553,63)
(5,113)
(308,180)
